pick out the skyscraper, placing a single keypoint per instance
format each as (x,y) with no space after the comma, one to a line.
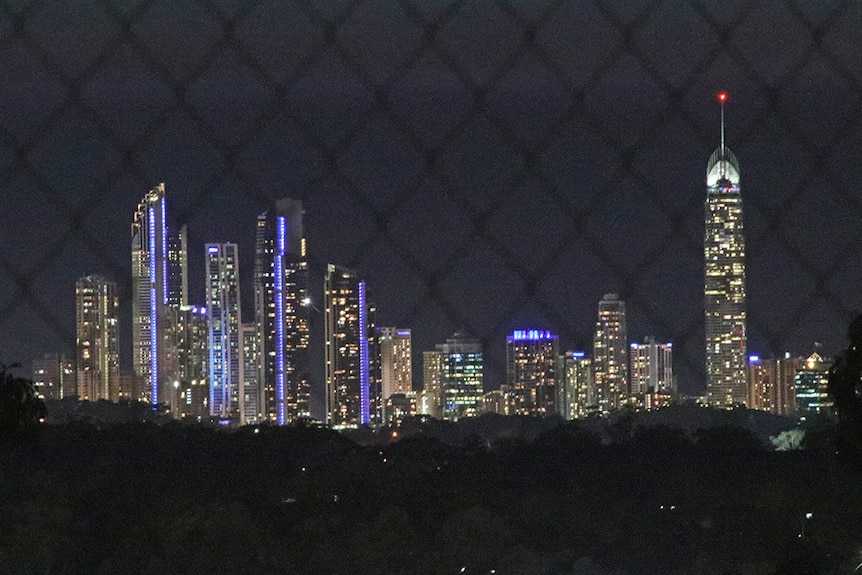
(192,341)
(610,354)
(150,313)
(346,341)
(178,265)
(281,312)
(225,319)
(453,378)
(576,385)
(651,369)
(97,338)
(771,383)
(811,381)
(724,285)
(396,363)
(431,397)
(249,400)
(531,371)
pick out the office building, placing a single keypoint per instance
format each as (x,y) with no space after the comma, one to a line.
(610,355)
(724,285)
(531,372)
(346,348)
(225,319)
(453,372)
(282,307)
(576,385)
(97,338)
(811,381)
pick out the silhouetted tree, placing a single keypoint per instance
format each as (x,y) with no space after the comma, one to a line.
(845,387)
(20,409)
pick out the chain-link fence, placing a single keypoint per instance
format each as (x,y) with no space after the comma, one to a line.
(485,165)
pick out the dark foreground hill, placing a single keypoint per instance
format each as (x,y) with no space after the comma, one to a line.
(177,499)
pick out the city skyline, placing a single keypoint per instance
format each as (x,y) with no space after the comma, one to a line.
(477,188)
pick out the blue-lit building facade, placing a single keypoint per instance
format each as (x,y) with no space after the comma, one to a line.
(282,308)
(225,319)
(150,312)
(531,372)
(346,337)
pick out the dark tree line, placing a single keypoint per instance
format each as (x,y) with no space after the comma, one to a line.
(845,387)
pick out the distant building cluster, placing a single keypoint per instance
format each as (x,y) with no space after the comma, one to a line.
(207,361)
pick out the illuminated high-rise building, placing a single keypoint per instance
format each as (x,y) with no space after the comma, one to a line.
(281,312)
(771,383)
(177,269)
(346,341)
(724,286)
(54,376)
(531,371)
(610,354)
(576,385)
(453,378)
(376,399)
(811,381)
(651,370)
(431,397)
(151,321)
(396,363)
(192,341)
(97,338)
(249,400)
(225,319)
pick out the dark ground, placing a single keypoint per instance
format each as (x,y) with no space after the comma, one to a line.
(512,496)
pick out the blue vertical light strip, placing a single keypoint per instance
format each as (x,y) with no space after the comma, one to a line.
(364,408)
(164,229)
(280,234)
(154,327)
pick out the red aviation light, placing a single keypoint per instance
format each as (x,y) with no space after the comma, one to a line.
(722,97)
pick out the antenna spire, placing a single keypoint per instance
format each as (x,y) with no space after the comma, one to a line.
(722,98)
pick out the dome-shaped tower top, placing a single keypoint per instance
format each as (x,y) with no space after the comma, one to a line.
(722,164)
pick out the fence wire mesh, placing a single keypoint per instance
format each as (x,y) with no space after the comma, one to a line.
(485,164)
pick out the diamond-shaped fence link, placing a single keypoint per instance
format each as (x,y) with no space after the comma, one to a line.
(489,165)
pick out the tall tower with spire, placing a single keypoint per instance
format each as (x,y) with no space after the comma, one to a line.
(724,285)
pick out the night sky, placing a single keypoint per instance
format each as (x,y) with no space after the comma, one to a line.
(484,165)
